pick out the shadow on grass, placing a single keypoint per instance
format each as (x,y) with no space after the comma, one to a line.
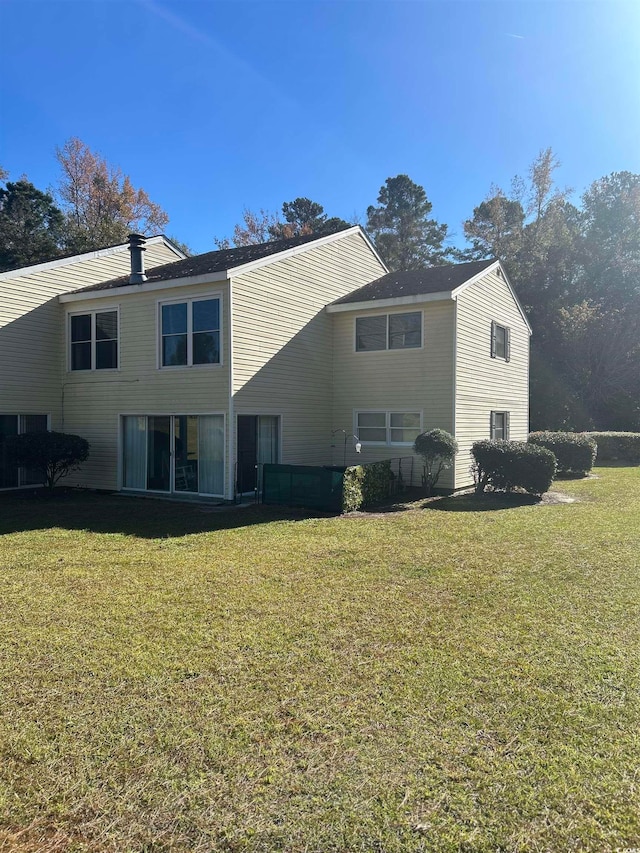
(140,517)
(489,502)
(570,475)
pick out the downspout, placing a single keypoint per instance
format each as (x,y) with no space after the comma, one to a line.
(231,490)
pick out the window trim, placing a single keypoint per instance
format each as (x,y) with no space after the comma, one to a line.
(387,413)
(92,313)
(387,348)
(189,300)
(507,341)
(492,424)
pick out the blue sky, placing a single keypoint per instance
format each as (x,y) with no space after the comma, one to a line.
(212,106)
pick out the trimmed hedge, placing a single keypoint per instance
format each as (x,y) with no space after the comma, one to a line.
(575,452)
(365,485)
(509,465)
(617,446)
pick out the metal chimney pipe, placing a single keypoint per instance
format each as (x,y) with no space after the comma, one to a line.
(137,246)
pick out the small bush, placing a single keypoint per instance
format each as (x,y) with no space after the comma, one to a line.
(437,448)
(366,485)
(509,465)
(52,455)
(352,488)
(617,446)
(575,452)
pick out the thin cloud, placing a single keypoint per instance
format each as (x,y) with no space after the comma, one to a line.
(514,36)
(210,41)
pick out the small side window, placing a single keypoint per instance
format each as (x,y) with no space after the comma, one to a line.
(499,426)
(500,341)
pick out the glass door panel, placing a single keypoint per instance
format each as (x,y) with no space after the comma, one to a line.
(268,429)
(134,475)
(159,453)
(267,439)
(185,453)
(32,423)
(211,459)
(247,453)
(8,471)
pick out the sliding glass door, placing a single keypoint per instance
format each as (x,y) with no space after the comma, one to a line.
(10,475)
(174,453)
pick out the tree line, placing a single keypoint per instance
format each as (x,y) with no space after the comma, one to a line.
(574,266)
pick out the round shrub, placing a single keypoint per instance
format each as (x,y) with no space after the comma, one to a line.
(437,448)
(509,465)
(52,454)
(574,451)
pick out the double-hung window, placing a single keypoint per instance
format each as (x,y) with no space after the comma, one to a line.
(388,427)
(500,425)
(190,332)
(500,341)
(94,340)
(389,331)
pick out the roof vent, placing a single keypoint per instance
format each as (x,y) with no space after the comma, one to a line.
(137,245)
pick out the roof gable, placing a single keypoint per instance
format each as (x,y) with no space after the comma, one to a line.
(394,285)
(220,263)
(68,260)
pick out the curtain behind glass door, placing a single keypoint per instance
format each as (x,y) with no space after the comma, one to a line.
(134,474)
(211,459)
(185,453)
(159,453)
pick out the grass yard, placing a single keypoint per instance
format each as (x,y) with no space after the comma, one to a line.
(174,679)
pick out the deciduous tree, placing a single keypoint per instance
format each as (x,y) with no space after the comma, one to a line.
(101,204)
(255,228)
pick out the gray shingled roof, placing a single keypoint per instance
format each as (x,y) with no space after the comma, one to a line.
(210,262)
(416,282)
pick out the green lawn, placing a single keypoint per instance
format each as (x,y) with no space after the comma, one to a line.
(444,679)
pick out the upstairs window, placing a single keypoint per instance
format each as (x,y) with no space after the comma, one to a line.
(190,332)
(500,341)
(389,331)
(94,340)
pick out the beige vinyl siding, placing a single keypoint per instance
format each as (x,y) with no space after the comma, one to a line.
(485,384)
(31,325)
(95,400)
(282,338)
(404,380)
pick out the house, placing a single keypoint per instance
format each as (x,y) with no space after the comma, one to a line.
(186,373)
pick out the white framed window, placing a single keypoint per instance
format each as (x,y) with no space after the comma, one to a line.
(93,340)
(500,341)
(388,427)
(190,332)
(389,331)
(499,426)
